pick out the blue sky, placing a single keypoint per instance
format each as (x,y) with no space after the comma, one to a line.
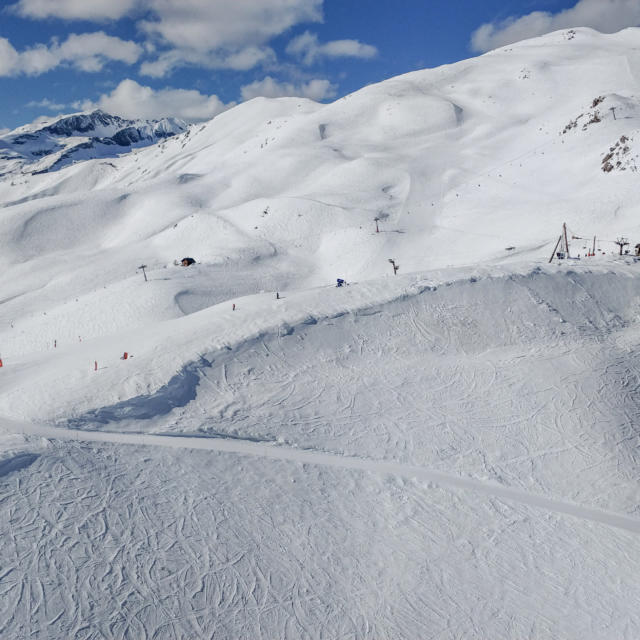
(194,58)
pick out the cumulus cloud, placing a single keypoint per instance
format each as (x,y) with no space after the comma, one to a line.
(95,10)
(317,89)
(213,34)
(219,24)
(204,25)
(607,16)
(86,52)
(240,60)
(45,103)
(90,51)
(219,34)
(307,47)
(247,58)
(230,34)
(8,58)
(132,100)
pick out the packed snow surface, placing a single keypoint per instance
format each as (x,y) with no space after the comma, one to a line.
(451,451)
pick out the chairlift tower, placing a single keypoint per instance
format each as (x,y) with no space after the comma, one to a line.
(621,242)
(566,241)
(562,237)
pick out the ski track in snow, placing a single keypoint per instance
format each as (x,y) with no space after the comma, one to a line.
(274,452)
(442,469)
(134,542)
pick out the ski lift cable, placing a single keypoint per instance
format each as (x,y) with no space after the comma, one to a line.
(598,239)
(486,172)
(529,152)
(486,175)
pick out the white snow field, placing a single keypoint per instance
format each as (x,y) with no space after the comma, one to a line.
(449,452)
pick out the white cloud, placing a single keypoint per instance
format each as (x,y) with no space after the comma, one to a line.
(45,103)
(221,24)
(247,58)
(607,16)
(132,100)
(37,60)
(240,60)
(307,47)
(229,34)
(89,51)
(95,10)
(203,25)
(220,34)
(213,34)
(85,52)
(317,89)
(8,58)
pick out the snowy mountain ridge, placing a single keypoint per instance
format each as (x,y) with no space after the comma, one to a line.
(479,162)
(42,147)
(452,165)
(242,449)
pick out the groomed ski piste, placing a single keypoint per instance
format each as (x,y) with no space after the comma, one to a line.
(449,452)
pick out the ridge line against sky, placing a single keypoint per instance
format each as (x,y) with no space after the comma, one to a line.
(195,58)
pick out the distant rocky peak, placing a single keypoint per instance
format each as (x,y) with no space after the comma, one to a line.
(80,136)
(85,123)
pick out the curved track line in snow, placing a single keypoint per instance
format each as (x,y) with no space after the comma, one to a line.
(263,450)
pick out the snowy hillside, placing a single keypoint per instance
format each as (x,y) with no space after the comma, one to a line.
(50,146)
(448,452)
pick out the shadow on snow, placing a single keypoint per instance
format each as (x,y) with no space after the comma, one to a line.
(178,392)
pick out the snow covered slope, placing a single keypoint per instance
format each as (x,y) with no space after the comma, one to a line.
(458,459)
(448,452)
